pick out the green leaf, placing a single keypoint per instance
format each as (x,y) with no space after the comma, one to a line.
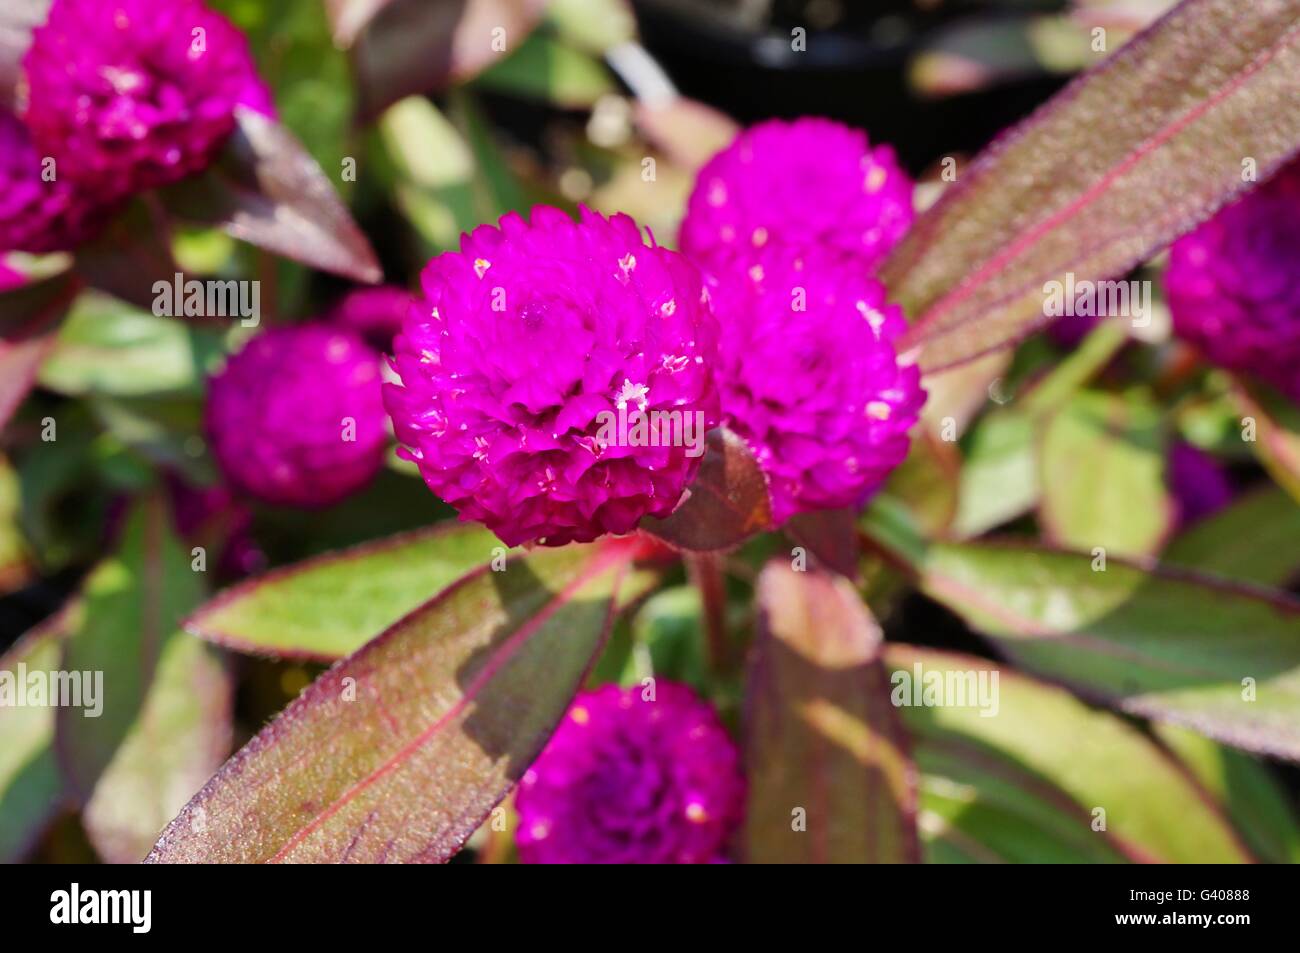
(1129,156)
(1103,463)
(670,628)
(1164,643)
(1254,801)
(829,776)
(593,25)
(1273,425)
(1024,784)
(180,737)
(1255,539)
(329,606)
(542,68)
(31,787)
(726,503)
(133,603)
(15,559)
(401,750)
(109,347)
(999,478)
(928,481)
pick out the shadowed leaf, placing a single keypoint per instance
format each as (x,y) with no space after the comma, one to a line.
(134,602)
(401,750)
(1128,157)
(829,777)
(1256,539)
(1277,433)
(727,502)
(28,316)
(131,254)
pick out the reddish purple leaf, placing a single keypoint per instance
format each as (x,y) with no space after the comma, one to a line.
(830,779)
(727,502)
(28,317)
(417,46)
(1127,158)
(267,190)
(401,750)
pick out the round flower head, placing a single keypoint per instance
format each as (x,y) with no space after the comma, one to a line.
(630,780)
(811,381)
(811,183)
(374,313)
(133,94)
(1234,284)
(296,417)
(534,365)
(40,213)
(1199,483)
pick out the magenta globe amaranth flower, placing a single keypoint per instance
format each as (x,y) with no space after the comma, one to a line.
(811,381)
(133,94)
(297,418)
(375,313)
(628,778)
(810,183)
(532,364)
(1233,284)
(40,210)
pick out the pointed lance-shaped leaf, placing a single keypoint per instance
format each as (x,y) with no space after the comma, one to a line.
(401,750)
(830,777)
(1132,154)
(266,189)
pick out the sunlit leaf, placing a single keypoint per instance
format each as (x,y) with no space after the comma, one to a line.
(1102,465)
(31,788)
(401,750)
(332,605)
(266,190)
(1039,777)
(1135,152)
(829,776)
(1170,644)
(1250,795)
